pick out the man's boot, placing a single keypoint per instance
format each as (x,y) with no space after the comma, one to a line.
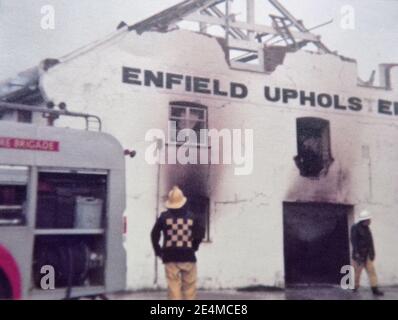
(377,292)
(353,290)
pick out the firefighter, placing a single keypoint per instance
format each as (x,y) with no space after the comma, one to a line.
(364,252)
(182,235)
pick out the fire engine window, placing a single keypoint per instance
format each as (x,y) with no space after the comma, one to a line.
(313,147)
(13,196)
(25,116)
(71,200)
(12,205)
(188,116)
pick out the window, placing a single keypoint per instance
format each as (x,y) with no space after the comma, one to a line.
(62,196)
(25,116)
(187,120)
(19,116)
(13,195)
(313,146)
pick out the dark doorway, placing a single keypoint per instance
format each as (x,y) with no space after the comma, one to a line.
(199,205)
(316,242)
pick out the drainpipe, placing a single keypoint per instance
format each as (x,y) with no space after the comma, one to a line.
(370,178)
(159,148)
(366,155)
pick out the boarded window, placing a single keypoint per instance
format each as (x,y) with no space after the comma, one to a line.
(188,119)
(313,146)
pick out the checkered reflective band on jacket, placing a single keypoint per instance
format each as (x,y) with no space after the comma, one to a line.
(179,232)
(182,234)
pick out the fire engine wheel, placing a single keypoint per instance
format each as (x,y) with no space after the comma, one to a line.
(5,289)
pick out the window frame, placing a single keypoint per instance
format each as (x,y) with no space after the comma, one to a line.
(188,106)
(24,180)
(69,173)
(305,123)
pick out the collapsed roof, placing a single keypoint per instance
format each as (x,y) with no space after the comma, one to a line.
(244,42)
(248,46)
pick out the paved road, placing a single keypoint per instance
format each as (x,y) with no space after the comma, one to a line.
(391,293)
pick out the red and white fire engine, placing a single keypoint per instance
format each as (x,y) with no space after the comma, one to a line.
(62,199)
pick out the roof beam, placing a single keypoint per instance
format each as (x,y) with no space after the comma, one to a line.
(298,24)
(195,17)
(162,20)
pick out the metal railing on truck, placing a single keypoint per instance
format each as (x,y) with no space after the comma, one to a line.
(89,118)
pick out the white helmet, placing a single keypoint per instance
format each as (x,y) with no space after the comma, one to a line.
(364,215)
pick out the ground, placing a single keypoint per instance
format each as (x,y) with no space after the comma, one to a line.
(314,293)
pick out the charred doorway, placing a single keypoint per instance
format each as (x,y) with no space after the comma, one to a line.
(193,180)
(316,242)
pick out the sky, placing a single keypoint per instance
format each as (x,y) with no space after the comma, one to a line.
(371,39)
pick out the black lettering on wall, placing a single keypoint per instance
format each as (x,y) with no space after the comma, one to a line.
(238,90)
(325,100)
(276,97)
(188,83)
(150,78)
(172,79)
(310,98)
(396,108)
(289,94)
(384,107)
(217,90)
(201,85)
(216,87)
(131,76)
(337,104)
(355,104)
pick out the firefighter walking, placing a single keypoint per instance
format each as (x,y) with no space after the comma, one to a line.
(364,252)
(182,235)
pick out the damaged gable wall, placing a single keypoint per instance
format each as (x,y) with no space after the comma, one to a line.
(246,232)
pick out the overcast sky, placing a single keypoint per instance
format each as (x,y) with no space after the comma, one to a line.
(23,43)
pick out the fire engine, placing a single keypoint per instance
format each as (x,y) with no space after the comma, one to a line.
(62,199)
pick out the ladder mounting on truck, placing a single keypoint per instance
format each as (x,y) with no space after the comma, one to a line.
(52,113)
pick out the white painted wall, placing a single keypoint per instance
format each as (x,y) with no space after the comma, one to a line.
(246,211)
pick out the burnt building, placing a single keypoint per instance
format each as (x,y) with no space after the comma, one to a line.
(324,141)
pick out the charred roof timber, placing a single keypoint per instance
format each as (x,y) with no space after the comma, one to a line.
(245,42)
(247,45)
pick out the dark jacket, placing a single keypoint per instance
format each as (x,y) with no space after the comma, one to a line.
(362,243)
(182,235)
